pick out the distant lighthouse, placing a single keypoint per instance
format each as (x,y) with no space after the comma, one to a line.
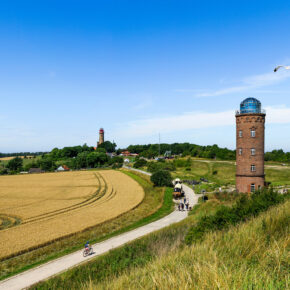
(101,136)
(250,135)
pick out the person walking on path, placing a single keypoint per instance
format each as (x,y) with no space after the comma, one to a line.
(179,206)
(186,206)
(184,200)
(182,206)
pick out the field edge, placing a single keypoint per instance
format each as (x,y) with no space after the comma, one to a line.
(165,208)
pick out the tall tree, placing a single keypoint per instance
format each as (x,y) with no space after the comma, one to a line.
(15,164)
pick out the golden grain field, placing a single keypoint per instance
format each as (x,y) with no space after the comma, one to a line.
(46,207)
(12,157)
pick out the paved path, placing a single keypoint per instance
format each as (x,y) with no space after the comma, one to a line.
(137,170)
(45,271)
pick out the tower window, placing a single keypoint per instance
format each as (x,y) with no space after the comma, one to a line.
(253,151)
(253,168)
(253,133)
(240,151)
(252,187)
(240,133)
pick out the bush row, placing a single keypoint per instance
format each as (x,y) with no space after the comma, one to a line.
(244,208)
(156,166)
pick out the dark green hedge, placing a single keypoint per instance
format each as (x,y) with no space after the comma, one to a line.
(161,178)
(140,163)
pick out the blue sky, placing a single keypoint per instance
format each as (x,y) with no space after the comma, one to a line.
(138,68)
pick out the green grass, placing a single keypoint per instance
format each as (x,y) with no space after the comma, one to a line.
(277,176)
(198,169)
(220,173)
(225,172)
(224,260)
(135,254)
(252,255)
(156,204)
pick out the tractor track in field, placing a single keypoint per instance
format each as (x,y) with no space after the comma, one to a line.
(8,221)
(100,196)
(96,196)
(96,199)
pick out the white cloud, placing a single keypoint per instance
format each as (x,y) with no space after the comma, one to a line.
(194,120)
(278,115)
(252,82)
(225,91)
(267,79)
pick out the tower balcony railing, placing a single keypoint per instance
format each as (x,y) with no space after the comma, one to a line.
(239,112)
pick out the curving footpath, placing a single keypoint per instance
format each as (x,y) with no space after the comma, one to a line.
(45,271)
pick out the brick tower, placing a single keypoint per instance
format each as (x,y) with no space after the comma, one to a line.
(101,136)
(250,128)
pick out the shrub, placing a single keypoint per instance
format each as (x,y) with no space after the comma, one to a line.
(15,164)
(3,171)
(156,166)
(168,166)
(116,166)
(188,169)
(215,172)
(153,167)
(140,163)
(244,208)
(161,178)
(227,196)
(116,161)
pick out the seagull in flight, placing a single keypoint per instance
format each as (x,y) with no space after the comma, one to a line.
(279,66)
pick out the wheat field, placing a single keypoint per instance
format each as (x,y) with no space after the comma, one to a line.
(45,207)
(12,157)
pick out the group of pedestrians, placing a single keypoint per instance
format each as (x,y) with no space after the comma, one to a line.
(184,205)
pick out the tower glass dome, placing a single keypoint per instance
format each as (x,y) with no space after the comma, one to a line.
(250,106)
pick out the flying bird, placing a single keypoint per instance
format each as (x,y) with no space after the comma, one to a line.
(279,66)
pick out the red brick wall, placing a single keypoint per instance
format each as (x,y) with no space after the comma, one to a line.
(243,183)
(244,175)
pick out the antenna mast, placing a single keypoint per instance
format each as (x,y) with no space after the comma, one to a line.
(159,145)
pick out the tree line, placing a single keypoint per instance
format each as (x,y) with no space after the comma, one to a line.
(75,157)
(277,155)
(21,154)
(78,157)
(210,151)
(185,149)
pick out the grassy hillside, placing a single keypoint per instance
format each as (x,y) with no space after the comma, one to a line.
(254,255)
(223,172)
(163,261)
